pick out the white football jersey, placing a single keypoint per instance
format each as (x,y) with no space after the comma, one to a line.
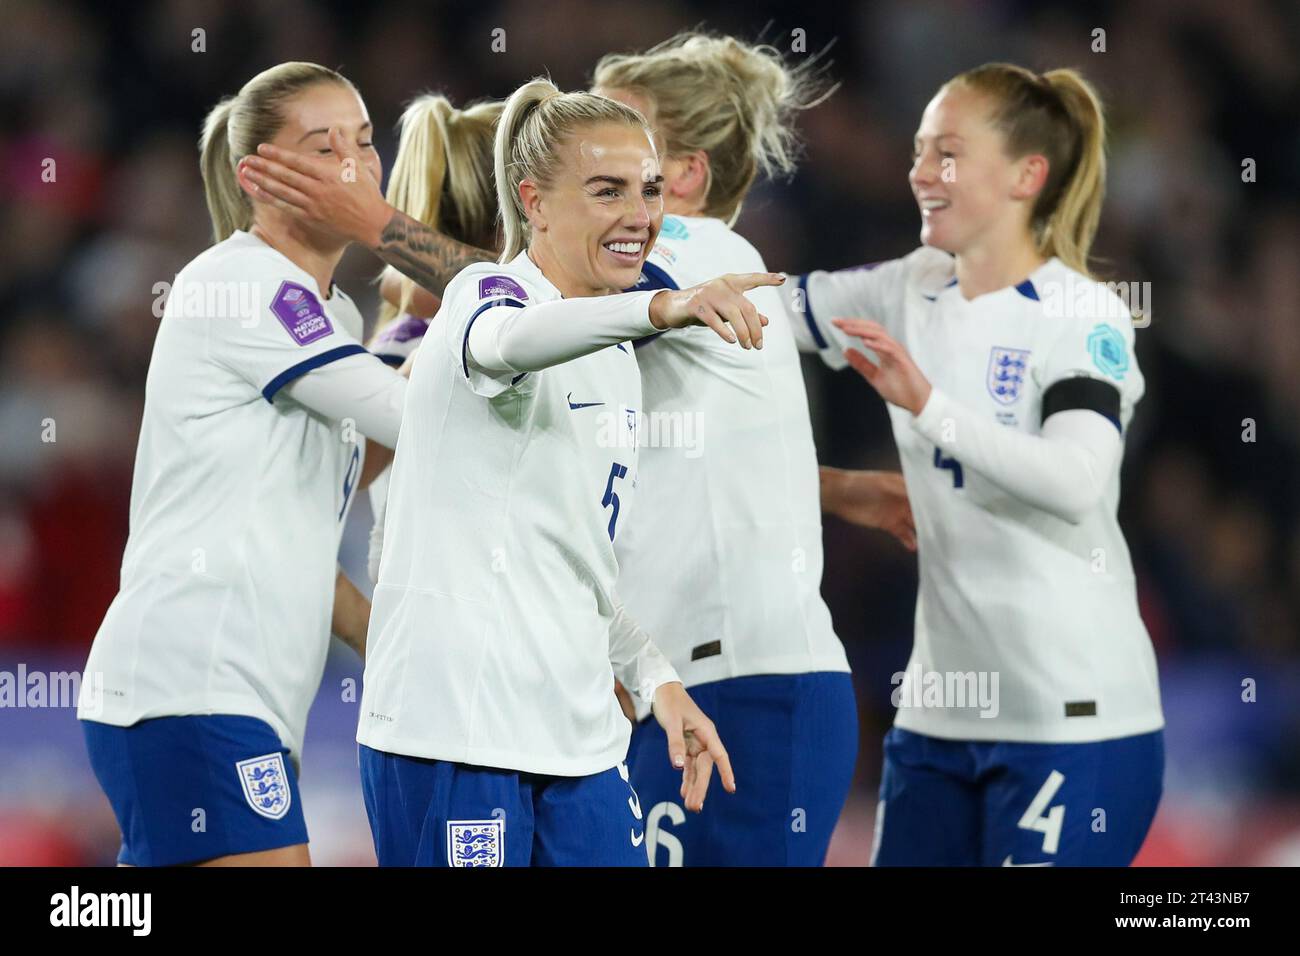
(723,563)
(392,346)
(237,504)
(490,639)
(1041,611)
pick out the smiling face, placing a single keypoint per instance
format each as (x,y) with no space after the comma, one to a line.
(969,191)
(594,224)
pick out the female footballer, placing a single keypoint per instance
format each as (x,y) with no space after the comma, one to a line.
(489,734)
(258,403)
(1029,726)
(757,649)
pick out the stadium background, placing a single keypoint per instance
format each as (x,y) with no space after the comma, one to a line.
(115,94)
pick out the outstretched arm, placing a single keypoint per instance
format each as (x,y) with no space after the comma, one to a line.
(1064,470)
(534,337)
(694,746)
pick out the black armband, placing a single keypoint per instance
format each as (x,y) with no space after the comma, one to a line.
(1082,391)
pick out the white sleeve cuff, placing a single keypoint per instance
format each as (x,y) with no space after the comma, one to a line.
(930,422)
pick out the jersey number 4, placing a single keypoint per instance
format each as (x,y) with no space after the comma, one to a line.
(949,464)
(610,500)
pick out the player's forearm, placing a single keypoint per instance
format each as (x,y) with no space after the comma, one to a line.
(845,489)
(814,300)
(551,333)
(638,664)
(378,457)
(375,546)
(425,255)
(835,487)
(1063,470)
(351,616)
(813,334)
(358,389)
(792,294)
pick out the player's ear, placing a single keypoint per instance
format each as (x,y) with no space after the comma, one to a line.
(245,183)
(1030,176)
(531,197)
(689,174)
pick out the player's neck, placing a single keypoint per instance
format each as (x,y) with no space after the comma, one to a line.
(691,207)
(544,257)
(305,250)
(988,268)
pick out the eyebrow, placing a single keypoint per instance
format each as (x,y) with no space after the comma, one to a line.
(325,129)
(620,181)
(941,136)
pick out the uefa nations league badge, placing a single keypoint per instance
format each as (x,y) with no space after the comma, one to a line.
(301,313)
(492,286)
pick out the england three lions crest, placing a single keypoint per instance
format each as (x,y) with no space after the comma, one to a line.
(475,842)
(266,785)
(1006,377)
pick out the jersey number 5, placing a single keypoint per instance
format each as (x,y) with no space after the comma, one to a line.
(611,497)
(950,464)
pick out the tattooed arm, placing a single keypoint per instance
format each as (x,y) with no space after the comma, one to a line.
(314,188)
(423,254)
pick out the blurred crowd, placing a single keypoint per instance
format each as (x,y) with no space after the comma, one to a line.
(101,202)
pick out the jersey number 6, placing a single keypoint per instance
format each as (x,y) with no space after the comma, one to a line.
(611,497)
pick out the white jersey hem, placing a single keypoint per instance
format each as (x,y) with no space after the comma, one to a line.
(205,706)
(695,673)
(497,758)
(917,722)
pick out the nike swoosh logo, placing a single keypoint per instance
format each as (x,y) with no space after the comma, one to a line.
(637,838)
(573,404)
(1007,862)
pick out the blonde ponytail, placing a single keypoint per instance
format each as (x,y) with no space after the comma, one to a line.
(735,101)
(236,125)
(228,207)
(442,176)
(536,119)
(1071,224)
(1060,116)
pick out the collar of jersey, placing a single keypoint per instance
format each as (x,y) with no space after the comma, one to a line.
(1028,288)
(523,263)
(677,215)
